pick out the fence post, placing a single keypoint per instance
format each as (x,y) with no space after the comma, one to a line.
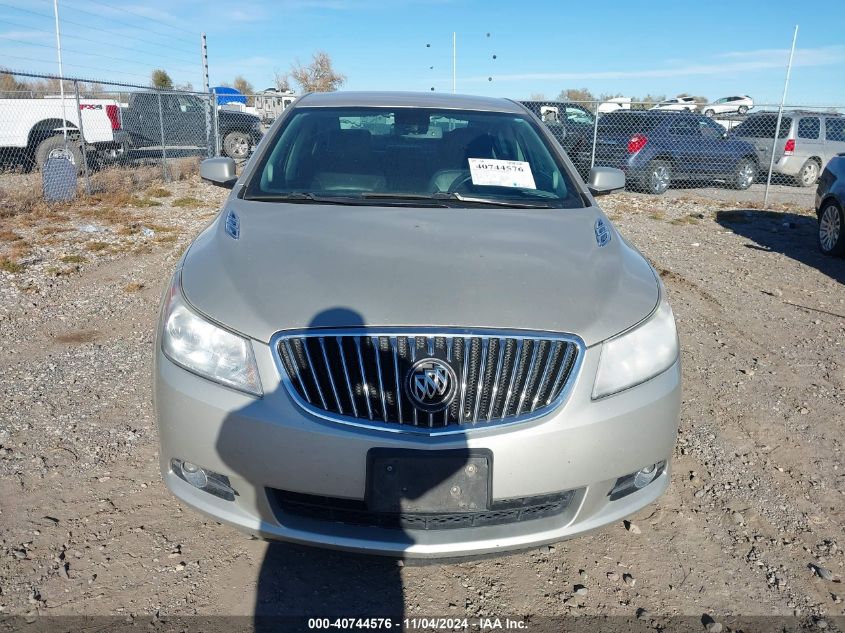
(163,148)
(211,102)
(595,135)
(216,111)
(82,137)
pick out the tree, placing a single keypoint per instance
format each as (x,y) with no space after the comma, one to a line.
(570,94)
(282,81)
(161,80)
(318,76)
(537,96)
(243,86)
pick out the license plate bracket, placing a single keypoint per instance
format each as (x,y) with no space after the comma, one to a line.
(428,481)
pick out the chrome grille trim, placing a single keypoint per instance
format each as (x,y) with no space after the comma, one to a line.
(504,376)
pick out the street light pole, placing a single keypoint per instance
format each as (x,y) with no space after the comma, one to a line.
(61,71)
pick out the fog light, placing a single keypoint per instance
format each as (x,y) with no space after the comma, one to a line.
(195,475)
(636,481)
(645,476)
(204,479)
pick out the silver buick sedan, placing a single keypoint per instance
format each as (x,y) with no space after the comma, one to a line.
(411,331)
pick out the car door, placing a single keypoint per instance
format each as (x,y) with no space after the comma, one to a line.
(834,137)
(717,156)
(809,142)
(685,146)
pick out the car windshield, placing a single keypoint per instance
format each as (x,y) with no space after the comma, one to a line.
(395,155)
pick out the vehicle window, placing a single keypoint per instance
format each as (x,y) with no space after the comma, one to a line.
(809,127)
(835,130)
(352,152)
(710,129)
(685,127)
(577,115)
(763,126)
(186,103)
(627,122)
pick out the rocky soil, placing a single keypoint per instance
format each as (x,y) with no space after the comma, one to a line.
(752,523)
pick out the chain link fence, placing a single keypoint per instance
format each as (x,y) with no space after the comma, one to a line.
(732,150)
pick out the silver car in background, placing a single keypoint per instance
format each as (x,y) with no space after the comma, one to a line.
(411,331)
(807,140)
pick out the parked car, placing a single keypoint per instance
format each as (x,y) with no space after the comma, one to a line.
(830,207)
(412,331)
(806,141)
(729,105)
(678,103)
(187,126)
(656,149)
(32,129)
(571,124)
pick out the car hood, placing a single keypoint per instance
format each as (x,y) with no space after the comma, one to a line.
(303,265)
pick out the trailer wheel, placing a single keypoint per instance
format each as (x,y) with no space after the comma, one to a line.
(57,143)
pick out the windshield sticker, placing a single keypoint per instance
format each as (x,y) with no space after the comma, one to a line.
(501,173)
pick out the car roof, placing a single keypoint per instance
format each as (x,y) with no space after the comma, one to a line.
(352,99)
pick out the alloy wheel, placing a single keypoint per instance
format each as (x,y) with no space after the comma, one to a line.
(830,228)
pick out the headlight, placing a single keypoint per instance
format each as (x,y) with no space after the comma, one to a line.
(639,354)
(206,349)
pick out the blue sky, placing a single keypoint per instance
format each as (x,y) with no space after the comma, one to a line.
(712,49)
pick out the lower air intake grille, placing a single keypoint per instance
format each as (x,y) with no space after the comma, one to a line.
(428,382)
(353,512)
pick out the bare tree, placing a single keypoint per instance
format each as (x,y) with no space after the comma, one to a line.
(571,94)
(537,96)
(282,81)
(318,76)
(243,86)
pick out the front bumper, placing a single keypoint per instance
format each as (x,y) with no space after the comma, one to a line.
(270,443)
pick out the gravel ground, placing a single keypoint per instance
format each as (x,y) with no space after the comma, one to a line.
(752,523)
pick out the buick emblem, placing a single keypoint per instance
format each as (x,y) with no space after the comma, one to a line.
(431,385)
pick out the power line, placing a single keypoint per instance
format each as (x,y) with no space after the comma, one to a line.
(145,17)
(52,61)
(129,24)
(74,50)
(86,26)
(111,45)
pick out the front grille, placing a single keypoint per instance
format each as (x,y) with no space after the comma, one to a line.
(362,378)
(354,512)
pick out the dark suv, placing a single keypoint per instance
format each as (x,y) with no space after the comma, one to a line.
(656,149)
(572,125)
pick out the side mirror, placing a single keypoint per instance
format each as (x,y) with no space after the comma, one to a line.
(219,171)
(604,180)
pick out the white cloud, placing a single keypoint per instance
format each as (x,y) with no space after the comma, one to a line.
(737,61)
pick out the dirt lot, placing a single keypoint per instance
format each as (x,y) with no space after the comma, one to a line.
(751,525)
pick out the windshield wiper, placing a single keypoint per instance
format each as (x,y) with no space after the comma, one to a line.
(516,204)
(404,197)
(304,198)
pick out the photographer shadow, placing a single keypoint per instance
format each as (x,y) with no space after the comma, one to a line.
(296,582)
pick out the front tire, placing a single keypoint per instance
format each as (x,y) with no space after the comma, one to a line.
(745,174)
(832,230)
(809,174)
(709,112)
(55,143)
(657,178)
(236,145)
(743,109)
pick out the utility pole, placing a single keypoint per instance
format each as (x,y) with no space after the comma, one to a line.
(61,71)
(780,117)
(454,61)
(212,99)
